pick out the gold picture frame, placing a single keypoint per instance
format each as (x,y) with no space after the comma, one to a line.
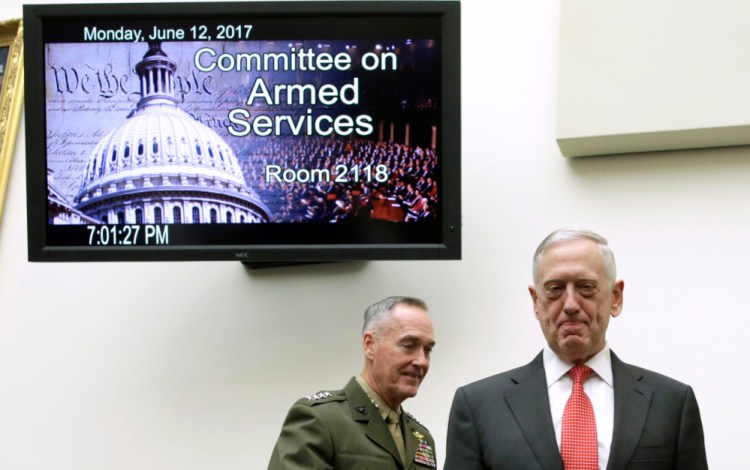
(11,95)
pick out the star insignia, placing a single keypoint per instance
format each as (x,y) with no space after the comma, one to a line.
(318,396)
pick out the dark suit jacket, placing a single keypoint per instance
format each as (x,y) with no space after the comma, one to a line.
(343,430)
(504,422)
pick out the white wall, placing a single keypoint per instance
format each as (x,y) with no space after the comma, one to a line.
(193,365)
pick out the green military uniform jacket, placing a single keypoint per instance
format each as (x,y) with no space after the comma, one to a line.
(343,430)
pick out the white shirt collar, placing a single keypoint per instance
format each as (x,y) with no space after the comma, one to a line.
(555,368)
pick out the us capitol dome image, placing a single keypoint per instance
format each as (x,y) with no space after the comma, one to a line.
(164,167)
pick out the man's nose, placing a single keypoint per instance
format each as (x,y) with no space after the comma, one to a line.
(571,304)
(421,359)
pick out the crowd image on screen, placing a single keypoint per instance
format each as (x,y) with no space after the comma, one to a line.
(395,182)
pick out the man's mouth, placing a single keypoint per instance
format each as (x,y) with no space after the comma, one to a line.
(413,375)
(572,325)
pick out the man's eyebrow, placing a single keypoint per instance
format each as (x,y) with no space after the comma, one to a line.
(408,338)
(554,280)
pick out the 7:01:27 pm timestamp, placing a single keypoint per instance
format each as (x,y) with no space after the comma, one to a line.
(125,235)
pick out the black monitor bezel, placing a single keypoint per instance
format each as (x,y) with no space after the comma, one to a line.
(449,249)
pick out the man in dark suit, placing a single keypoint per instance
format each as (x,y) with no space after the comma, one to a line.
(523,418)
(363,425)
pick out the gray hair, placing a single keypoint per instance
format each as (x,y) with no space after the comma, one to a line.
(377,313)
(569,234)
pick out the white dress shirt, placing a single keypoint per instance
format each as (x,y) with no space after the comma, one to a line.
(598,387)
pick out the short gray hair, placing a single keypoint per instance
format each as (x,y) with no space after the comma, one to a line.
(377,313)
(569,234)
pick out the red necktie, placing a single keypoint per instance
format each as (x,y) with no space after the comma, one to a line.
(579,447)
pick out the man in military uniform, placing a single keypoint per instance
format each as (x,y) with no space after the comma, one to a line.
(363,426)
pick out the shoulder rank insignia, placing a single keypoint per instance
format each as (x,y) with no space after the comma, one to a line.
(425,455)
(318,396)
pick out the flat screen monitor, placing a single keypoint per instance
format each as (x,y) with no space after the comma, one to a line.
(265,132)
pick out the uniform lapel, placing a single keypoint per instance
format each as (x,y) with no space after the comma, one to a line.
(529,403)
(411,442)
(632,402)
(417,446)
(364,411)
(378,432)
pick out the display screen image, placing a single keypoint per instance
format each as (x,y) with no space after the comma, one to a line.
(263,132)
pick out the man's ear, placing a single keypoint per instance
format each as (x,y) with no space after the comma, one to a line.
(617,297)
(534,297)
(369,344)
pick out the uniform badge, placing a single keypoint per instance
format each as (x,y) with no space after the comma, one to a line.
(425,454)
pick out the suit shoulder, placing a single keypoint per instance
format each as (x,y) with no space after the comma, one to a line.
(654,378)
(322,397)
(503,380)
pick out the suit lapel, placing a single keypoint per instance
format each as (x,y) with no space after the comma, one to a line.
(632,402)
(529,404)
(377,430)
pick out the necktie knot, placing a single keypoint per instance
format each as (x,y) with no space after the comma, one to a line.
(392,417)
(580,372)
